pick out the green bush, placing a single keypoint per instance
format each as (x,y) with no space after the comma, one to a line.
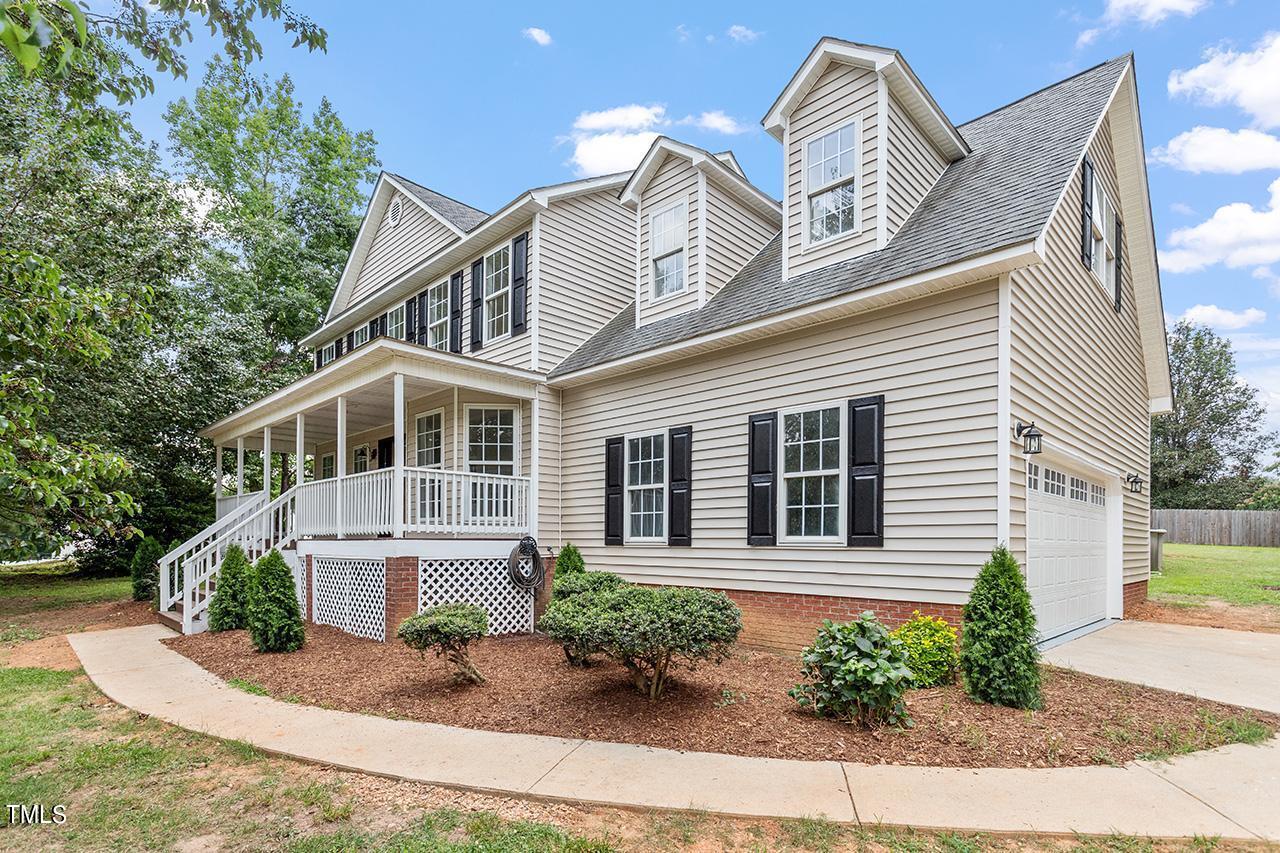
(447,630)
(998,654)
(855,671)
(931,649)
(144,569)
(647,630)
(569,561)
(571,585)
(229,609)
(275,622)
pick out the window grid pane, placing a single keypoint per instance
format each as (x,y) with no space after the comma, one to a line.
(438,316)
(491,441)
(497,284)
(646,486)
(395,323)
(811,473)
(668,275)
(429,444)
(831,157)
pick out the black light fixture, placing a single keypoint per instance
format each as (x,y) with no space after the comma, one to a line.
(1030,437)
(1135,483)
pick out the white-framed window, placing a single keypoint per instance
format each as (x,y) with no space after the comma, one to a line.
(811,447)
(429,448)
(646,461)
(833,183)
(491,439)
(438,315)
(1104,236)
(1097,495)
(1079,489)
(326,466)
(395,323)
(668,235)
(360,336)
(1033,477)
(1055,483)
(497,293)
(328,353)
(360,459)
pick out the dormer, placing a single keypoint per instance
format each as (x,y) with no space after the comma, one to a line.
(698,221)
(863,142)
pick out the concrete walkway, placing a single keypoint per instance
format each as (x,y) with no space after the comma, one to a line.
(1228,792)
(1237,667)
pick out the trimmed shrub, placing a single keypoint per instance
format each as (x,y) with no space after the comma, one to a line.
(569,561)
(576,652)
(229,609)
(930,643)
(447,630)
(857,672)
(998,654)
(144,569)
(647,630)
(275,622)
(567,586)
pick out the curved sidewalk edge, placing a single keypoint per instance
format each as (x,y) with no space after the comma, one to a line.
(1228,792)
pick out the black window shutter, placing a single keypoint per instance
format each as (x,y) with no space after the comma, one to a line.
(866,472)
(318,359)
(455,312)
(351,341)
(762,479)
(680,486)
(410,320)
(421,333)
(339,346)
(382,326)
(613,491)
(1086,213)
(477,305)
(1119,262)
(519,282)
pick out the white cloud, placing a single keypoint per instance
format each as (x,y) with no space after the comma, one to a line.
(1246,80)
(537,35)
(1238,235)
(741,34)
(1223,318)
(1146,12)
(629,117)
(1216,149)
(1182,208)
(717,121)
(615,139)
(1271,278)
(682,32)
(1088,37)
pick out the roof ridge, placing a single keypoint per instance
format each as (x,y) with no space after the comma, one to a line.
(1043,89)
(401,177)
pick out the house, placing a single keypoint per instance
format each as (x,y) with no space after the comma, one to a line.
(943,337)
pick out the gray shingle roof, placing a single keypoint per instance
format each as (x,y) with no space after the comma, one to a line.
(463,216)
(1000,195)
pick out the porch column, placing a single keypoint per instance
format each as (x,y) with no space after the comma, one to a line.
(397,458)
(299,452)
(340,461)
(266,463)
(217,474)
(240,465)
(535,453)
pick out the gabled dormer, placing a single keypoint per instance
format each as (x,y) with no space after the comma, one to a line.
(698,221)
(863,142)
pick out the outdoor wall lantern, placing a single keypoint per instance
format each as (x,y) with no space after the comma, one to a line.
(1030,437)
(1135,483)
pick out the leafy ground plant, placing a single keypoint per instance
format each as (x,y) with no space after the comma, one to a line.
(931,649)
(855,671)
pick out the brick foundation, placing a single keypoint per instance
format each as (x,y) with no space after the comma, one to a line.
(782,621)
(1134,594)
(402,592)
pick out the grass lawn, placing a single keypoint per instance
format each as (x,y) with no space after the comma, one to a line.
(54,584)
(1233,574)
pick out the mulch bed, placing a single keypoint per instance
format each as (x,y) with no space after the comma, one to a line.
(739,707)
(1264,618)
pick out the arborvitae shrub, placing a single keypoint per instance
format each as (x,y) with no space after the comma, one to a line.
(275,622)
(229,609)
(931,649)
(998,654)
(145,569)
(569,561)
(447,629)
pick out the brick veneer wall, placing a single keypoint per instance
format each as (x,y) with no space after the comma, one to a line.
(1134,594)
(402,591)
(787,621)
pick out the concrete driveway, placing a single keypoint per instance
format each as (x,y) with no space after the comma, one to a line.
(1237,667)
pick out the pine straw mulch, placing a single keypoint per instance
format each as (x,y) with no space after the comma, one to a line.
(739,707)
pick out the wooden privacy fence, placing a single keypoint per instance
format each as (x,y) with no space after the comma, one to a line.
(1259,528)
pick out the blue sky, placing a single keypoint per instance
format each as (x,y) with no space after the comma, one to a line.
(481,101)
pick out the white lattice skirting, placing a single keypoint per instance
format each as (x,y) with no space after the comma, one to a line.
(480,581)
(351,595)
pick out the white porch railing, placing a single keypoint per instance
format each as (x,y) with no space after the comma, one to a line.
(227,504)
(171,564)
(438,501)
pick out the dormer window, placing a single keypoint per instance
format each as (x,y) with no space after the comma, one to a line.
(832,183)
(668,236)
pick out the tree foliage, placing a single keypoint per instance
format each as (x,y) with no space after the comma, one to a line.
(144,569)
(275,620)
(229,609)
(998,654)
(1207,453)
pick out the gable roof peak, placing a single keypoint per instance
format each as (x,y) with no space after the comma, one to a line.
(725,170)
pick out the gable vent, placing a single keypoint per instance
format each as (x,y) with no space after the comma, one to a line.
(396,209)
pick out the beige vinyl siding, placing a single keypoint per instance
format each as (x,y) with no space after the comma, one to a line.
(676,180)
(913,166)
(841,93)
(935,361)
(586,271)
(549,433)
(515,351)
(735,233)
(1077,366)
(418,235)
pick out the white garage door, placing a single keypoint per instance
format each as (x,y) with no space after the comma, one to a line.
(1066,549)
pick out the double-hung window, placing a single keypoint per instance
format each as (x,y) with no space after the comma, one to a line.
(832,184)
(360,336)
(429,452)
(668,232)
(497,293)
(395,323)
(491,449)
(1103,228)
(811,441)
(646,487)
(328,353)
(438,315)
(360,459)
(326,466)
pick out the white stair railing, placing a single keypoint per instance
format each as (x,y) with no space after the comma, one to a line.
(269,527)
(171,564)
